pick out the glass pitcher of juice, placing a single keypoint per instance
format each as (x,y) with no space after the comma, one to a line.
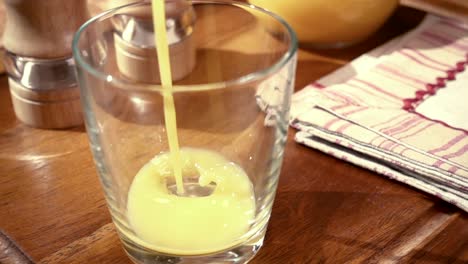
(331,23)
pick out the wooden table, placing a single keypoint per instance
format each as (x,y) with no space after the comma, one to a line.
(326,210)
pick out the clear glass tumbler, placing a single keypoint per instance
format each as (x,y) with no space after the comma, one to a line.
(233,68)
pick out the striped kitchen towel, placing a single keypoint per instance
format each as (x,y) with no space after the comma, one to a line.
(400,110)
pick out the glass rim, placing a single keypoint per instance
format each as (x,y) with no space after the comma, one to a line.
(134,86)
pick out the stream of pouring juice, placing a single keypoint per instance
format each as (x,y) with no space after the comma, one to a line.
(187,223)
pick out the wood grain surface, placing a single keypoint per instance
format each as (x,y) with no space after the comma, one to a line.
(52,209)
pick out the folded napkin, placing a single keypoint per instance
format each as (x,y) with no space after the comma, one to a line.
(400,110)
(448,8)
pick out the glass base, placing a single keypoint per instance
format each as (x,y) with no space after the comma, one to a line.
(236,255)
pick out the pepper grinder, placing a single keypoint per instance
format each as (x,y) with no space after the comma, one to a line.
(134,42)
(37,39)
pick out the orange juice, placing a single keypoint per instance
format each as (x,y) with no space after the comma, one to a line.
(186,225)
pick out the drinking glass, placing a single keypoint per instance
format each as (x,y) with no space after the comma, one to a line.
(233,68)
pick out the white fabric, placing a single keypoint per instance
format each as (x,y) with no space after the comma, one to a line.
(450,104)
(388,110)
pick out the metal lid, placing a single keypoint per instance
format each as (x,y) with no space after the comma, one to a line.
(138,30)
(41,74)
